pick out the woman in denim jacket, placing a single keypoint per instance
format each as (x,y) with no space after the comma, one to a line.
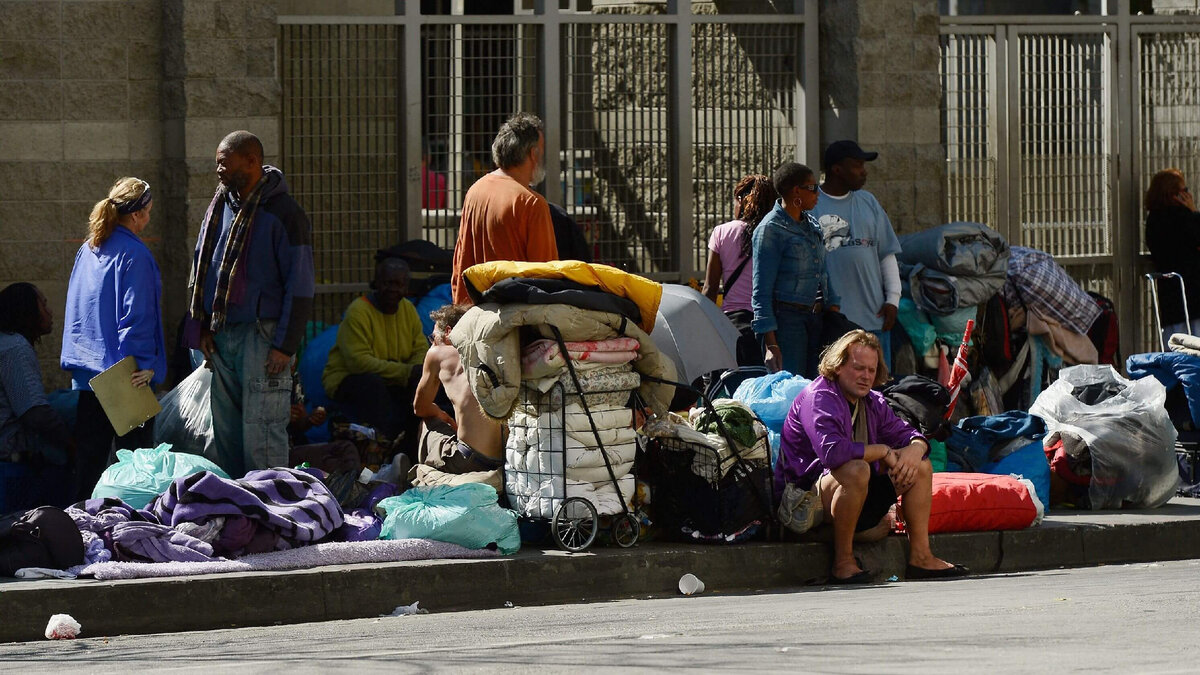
(789,275)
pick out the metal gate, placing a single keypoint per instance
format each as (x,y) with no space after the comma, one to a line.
(1053,127)
(651,116)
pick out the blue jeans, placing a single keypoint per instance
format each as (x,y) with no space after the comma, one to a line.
(249,408)
(799,336)
(885,341)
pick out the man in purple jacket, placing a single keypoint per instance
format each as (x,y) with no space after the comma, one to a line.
(842,438)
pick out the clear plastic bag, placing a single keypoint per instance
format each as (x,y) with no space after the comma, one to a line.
(1128,434)
(186,418)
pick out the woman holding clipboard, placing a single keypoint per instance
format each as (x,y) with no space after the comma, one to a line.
(113,311)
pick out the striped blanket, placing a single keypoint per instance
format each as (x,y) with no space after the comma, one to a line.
(293,504)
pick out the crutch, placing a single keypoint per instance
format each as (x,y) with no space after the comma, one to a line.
(1154,278)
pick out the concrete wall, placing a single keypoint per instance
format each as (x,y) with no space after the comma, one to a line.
(80,88)
(94,90)
(880,86)
(91,90)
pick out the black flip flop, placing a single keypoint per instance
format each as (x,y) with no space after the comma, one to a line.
(914,573)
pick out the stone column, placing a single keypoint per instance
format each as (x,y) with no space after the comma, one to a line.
(219,75)
(880,86)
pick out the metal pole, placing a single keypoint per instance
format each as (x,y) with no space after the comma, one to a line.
(808,113)
(409,133)
(679,138)
(550,92)
(1126,212)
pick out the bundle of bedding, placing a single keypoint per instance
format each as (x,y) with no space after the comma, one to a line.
(569,439)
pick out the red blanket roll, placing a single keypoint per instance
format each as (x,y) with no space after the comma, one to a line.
(981,502)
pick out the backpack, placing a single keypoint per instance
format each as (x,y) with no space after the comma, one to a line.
(43,537)
(1105,333)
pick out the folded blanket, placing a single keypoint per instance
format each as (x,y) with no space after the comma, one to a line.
(293,504)
(304,557)
(151,542)
(1182,342)
(604,388)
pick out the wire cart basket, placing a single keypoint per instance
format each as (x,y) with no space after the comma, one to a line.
(701,494)
(570,457)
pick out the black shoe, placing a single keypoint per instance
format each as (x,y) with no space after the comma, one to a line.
(914,573)
(863,577)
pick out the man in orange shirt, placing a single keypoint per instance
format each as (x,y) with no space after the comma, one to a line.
(502,218)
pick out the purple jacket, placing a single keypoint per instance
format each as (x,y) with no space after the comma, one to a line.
(817,434)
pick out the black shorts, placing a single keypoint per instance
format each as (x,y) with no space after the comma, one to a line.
(881,497)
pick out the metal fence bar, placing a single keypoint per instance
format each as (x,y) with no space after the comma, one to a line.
(628,138)
(744,112)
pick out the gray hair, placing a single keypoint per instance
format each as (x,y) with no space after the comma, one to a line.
(516,138)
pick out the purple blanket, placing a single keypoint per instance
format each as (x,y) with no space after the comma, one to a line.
(334,553)
(292,504)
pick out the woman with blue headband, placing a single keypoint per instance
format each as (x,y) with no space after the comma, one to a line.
(114,310)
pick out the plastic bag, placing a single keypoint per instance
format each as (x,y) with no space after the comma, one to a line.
(467,515)
(186,418)
(771,396)
(1127,431)
(141,475)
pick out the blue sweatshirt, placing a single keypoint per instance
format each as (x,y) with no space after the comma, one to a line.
(114,310)
(277,264)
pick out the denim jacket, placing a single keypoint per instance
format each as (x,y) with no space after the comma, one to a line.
(789,266)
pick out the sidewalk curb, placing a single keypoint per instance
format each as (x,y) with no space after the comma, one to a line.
(535,577)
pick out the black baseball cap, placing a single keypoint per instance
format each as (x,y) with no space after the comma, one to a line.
(839,150)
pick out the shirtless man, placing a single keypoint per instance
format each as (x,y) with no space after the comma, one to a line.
(467,443)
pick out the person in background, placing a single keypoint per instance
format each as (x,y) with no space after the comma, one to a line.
(251,291)
(790,278)
(1173,237)
(568,236)
(375,364)
(502,217)
(31,433)
(114,310)
(730,247)
(843,440)
(860,243)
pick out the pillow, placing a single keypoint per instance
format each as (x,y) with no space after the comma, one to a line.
(980,502)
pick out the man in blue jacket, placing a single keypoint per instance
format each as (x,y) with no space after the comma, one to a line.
(251,295)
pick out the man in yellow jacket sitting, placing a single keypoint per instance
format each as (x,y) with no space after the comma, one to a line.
(374,367)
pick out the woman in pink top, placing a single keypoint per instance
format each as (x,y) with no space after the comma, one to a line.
(729,264)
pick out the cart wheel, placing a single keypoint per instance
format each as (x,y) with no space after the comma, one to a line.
(574,525)
(625,529)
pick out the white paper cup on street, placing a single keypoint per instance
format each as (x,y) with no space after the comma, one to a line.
(690,585)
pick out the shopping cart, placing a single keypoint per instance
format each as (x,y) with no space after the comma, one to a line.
(570,453)
(707,491)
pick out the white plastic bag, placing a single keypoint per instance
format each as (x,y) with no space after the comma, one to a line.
(1128,434)
(186,418)
(62,627)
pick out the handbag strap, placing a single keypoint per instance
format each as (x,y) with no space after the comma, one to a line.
(736,273)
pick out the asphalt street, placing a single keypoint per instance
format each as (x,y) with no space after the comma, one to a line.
(1127,618)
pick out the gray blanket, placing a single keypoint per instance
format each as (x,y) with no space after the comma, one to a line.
(952,266)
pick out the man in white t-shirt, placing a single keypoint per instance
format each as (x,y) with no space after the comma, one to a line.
(860,244)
